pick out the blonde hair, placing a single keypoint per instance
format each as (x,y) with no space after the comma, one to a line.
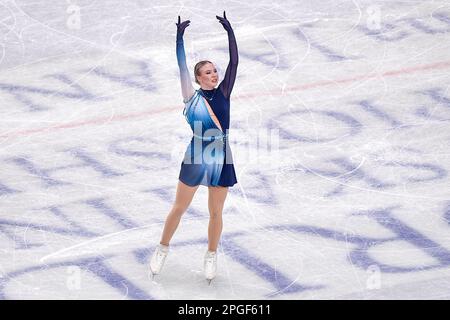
(197,68)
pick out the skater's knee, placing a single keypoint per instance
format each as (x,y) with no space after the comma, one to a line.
(215,214)
(178,209)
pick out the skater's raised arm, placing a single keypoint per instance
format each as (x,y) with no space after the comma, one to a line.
(230,75)
(187,89)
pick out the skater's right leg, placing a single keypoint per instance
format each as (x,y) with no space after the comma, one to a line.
(183,199)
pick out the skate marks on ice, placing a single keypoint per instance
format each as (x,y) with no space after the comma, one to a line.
(107,262)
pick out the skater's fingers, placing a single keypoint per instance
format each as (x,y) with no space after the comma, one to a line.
(224,14)
(179,19)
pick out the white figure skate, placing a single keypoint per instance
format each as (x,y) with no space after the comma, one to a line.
(158,258)
(210,265)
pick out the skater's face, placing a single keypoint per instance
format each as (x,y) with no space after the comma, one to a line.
(208,77)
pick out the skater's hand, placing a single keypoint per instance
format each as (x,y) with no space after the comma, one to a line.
(180,27)
(225,23)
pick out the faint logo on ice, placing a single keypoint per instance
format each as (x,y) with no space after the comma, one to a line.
(74,20)
(374,279)
(74,279)
(374,18)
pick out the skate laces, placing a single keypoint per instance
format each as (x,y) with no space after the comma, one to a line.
(210,257)
(161,254)
(162,251)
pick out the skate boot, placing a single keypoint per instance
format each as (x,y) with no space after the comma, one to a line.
(210,265)
(158,258)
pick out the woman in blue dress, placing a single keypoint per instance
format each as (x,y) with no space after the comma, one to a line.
(208,160)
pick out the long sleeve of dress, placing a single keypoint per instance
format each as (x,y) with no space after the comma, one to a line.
(187,89)
(230,75)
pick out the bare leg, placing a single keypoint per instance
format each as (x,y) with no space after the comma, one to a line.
(183,198)
(216,200)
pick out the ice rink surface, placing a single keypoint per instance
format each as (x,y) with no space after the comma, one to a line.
(339,131)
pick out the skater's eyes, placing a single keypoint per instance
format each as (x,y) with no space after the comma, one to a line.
(208,72)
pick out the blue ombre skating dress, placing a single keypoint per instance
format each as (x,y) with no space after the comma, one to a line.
(208,160)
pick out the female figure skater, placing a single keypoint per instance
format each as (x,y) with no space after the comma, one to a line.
(208,160)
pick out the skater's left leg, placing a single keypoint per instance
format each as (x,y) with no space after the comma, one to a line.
(216,200)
